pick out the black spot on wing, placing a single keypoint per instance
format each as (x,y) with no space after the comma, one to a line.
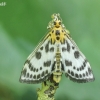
(76,54)
(73,47)
(76,75)
(34,77)
(68,71)
(77,69)
(37,70)
(42,74)
(41,48)
(38,55)
(64,49)
(83,75)
(80,75)
(47,63)
(68,63)
(27,62)
(68,46)
(30,66)
(47,47)
(31,76)
(80,68)
(38,76)
(27,75)
(72,73)
(86,73)
(90,71)
(24,72)
(34,69)
(40,68)
(84,63)
(74,67)
(52,49)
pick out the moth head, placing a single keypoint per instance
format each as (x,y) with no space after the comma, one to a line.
(57,23)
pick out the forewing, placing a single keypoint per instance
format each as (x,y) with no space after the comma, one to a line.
(37,67)
(76,66)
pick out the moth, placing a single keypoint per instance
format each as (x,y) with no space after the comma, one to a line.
(55,55)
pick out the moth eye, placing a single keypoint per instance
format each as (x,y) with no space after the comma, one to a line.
(59,23)
(54,23)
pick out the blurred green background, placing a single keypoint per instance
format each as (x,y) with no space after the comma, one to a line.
(23,23)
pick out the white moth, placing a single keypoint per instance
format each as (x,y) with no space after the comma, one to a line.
(57,53)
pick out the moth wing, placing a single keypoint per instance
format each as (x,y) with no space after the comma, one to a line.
(37,67)
(76,66)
